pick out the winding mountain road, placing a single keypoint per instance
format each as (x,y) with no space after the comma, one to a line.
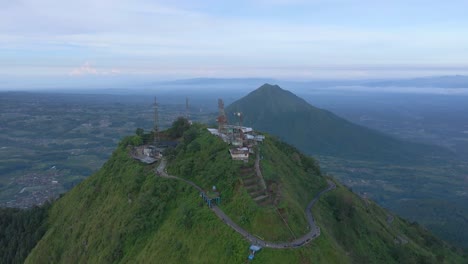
(299,242)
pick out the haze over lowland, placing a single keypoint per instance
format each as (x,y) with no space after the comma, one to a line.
(113,148)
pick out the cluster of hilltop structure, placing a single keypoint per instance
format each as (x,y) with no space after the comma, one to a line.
(241,138)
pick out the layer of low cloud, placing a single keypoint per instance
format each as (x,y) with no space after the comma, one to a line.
(88,69)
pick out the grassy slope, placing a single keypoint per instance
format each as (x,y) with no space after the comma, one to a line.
(418,193)
(125,214)
(362,230)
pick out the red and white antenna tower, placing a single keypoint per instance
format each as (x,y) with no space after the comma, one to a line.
(222,119)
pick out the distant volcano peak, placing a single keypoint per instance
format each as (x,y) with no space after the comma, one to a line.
(320,132)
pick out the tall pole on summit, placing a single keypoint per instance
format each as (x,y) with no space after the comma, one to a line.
(222,120)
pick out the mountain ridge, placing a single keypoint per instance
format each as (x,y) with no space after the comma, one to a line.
(449,81)
(125,214)
(383,167)
(320,132)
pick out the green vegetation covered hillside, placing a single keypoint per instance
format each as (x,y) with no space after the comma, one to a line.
(410,178)
(320,132)
(20,230)
(126,214)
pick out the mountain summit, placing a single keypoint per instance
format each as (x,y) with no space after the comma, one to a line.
(320,132)
(274,100)
(128,213)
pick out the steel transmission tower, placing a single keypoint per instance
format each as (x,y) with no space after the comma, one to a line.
(222,119)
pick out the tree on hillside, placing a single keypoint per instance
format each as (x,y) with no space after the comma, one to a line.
(139,132)
(20,230)
(179,127)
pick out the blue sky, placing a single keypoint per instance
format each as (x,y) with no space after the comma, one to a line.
(288,39)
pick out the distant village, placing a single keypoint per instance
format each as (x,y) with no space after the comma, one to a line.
(37,189)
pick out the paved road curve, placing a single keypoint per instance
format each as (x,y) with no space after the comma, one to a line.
(299,242)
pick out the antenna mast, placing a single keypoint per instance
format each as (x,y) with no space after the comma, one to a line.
(240,133)
(241,117)
(222,120)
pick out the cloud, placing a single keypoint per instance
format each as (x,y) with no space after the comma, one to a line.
(85,69)
(177,36)
(88,69)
